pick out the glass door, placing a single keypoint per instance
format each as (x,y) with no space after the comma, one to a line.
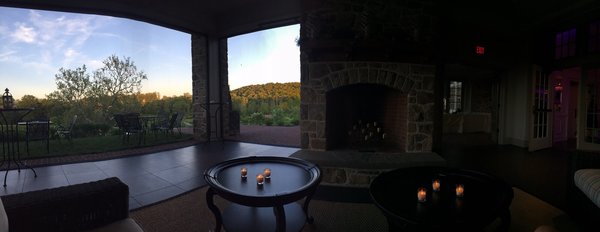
(541,117)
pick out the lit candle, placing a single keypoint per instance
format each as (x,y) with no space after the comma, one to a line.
(267,173)
(260,179)
(422,194)
(366,137)
(378,129)
(244,172)
(460,190)
(383,136)
(436,185)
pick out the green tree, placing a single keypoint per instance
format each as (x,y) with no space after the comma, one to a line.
(72,85)
(72,89)
(111,83)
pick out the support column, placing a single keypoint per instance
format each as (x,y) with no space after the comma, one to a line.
(211,102)
(199,85)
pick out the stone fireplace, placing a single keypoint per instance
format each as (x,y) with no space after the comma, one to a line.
(366,117)
(365,63)
(398,97)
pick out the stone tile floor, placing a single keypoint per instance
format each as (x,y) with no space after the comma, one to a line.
(151,177)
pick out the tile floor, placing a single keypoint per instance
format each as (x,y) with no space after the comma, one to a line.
(151,177)
(156,176)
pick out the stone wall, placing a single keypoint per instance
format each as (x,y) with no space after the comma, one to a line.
(415,80)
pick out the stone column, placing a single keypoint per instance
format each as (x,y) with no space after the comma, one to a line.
(199,85)
(224,85)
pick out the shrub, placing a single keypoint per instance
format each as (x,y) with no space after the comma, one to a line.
(89,130)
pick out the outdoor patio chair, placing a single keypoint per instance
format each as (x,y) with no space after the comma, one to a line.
(130,124)
(66,131)
(178,122)
(168,127)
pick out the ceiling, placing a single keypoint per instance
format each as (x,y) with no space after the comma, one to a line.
(224,18)
(218,18)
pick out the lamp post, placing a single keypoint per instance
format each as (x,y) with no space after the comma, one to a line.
(7,100)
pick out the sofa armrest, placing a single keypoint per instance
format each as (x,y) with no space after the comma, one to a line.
(69,208)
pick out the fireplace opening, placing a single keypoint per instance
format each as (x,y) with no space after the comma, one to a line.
(366,117)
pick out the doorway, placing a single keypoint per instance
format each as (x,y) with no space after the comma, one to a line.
(565,93)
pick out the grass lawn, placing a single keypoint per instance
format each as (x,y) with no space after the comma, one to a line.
(37,149)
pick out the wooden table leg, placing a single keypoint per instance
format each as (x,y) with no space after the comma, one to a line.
(279,218)
(215,210)
(309,218)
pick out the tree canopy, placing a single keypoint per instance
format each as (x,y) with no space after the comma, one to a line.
(268,104)
(95,96)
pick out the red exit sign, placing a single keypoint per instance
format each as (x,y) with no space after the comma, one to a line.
(479,50)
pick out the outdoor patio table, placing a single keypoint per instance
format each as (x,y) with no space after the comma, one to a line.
(37,130)
(268,207)
(10,138)
(148,120)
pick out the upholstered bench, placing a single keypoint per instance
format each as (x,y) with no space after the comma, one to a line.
(95,206)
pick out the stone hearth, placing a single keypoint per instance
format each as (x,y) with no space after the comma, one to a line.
(346,168)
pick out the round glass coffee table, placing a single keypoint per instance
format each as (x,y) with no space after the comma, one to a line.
(484,199)
(270,206)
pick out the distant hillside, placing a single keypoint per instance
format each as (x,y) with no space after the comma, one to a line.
(268,104)
(269,90)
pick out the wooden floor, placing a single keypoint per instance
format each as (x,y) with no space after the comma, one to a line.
(543,173)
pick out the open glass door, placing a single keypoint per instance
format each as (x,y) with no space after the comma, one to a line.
(589,132)
(541,117)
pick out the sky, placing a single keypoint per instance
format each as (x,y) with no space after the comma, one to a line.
(35,44)
(265,56)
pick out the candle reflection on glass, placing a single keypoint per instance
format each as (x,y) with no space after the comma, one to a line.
(460,190)
(244,172)
(422,194)
(436,185)
(260,179)
(267,173)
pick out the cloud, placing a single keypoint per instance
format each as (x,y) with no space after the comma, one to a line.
(57,31)
(24,33)
(6,55)
(94,64)
(3,30)
(70,53)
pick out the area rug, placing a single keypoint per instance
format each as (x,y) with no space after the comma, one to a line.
(188,212)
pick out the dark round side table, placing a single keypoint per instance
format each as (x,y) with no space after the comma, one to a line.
(268,207)
(485,198)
